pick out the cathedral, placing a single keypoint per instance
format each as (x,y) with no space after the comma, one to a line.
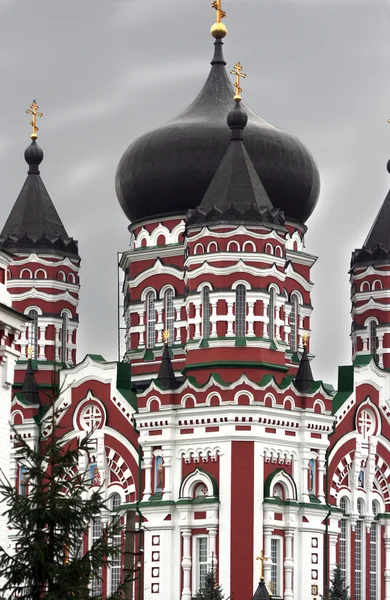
(212,428)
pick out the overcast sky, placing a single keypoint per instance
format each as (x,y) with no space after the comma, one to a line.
(105,71)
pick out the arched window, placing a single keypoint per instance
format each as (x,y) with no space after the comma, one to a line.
(294,323)
(115,566)
(96,532)
(169,316)
(64,337)
(206,313)
(240,311)
(151,320)
(374,555)
(33,332)
(343,538)
(373,338)
(271,314)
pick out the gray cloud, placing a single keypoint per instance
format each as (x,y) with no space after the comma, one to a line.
(105,71)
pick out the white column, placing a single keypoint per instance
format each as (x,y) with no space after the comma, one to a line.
(288,566)
(167,460)
(42,341)
(305,477)
(197,322)
(159,325)
(387,561)
(213,559)
(213,319)
(287,328)
(321,474)
(141,317)
(148,462)
(186,565)
(57,344)
(230,317)
(277,322)
(250,332)
(333,538)
(266,319)
(267,553)
(178,327)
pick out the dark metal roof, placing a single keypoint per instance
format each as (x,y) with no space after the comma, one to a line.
(304,377)
(30,387)
(380,230)
(166,374)
(33,222)
(261,593)
(168,170)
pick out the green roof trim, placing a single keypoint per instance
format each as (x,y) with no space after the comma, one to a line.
(124,385)
(96,357)
(213,481)
(240,341)
(268,481)
(362,360)
(345,387)
(204,343)
(148,355)
(21,398)
(234,364)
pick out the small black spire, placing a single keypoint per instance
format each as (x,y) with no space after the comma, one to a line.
(380,230)
(33,156)
(218,58)
(261,593)
(304,377)
(166,374)
(30,387)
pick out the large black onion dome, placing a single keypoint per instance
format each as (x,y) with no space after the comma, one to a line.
(169,169)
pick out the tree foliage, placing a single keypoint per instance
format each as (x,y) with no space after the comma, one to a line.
(49,521)
(338,589)
(210,590)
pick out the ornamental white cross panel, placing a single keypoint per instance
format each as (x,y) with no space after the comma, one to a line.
(366,423)
(91,418)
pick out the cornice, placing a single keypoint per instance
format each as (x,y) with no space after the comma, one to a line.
(35,294)
(53,284)
(240,230)
(258,257)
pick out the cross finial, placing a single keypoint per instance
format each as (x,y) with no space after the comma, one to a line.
(165,336)
(218,30)
(33,110)
(305,339)
(237,72)
(261,558)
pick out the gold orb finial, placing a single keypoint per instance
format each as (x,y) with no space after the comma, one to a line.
(218,30)
(237,72)
(305,339)
(33,110)
(29,352)
(165,336)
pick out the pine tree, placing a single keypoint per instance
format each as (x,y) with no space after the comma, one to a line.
(210,590)
(338,589)
(49,522)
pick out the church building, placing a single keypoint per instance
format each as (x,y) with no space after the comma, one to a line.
(212,427)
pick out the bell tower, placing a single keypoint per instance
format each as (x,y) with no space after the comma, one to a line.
(370,291)
(43,275)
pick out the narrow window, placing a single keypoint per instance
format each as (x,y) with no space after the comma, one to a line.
(343,539)
(206,313)
(373,560)
(275,567)
(151,320)
(359,554)
(240,311)
(96,582)
(201,562)
(294,324)
(33,333)
(115,574)
(64,337)
(170,316)
(271,314)
(373,339)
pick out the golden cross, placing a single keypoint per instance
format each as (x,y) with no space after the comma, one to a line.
(29,352)
(33,110)
(262,558)
(166,335)
(305,339)
(237,72)
(217,4)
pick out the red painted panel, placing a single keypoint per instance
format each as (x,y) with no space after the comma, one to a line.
(242,507)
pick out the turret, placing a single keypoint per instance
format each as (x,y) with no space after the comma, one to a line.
(43,275)
(370,291)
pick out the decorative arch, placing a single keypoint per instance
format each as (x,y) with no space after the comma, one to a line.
(25,274)
(377,285)
(365,286)
(279,251)
(245,394)
(71,278)
(199,249)
(269,400)
(147,291)
(318,406)
(188,401)
(209,399)
(212,247)
(192,480)
(151,404)
(40,274)
(61,276)
(241,282)
(282,478)
(249,246)
(233,246)
(160,236)
(269,249)
(288,403)
(367,419)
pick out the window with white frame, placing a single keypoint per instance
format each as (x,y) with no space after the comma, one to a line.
(115,568)
(343,539)
(151,320)
(359,553)
(169,316)
(96,582)
(271,314)
(206,313)
(240,310)
(374,554)
(276,566)
(373,338)
(33,332)
(200,565)
(294,323)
